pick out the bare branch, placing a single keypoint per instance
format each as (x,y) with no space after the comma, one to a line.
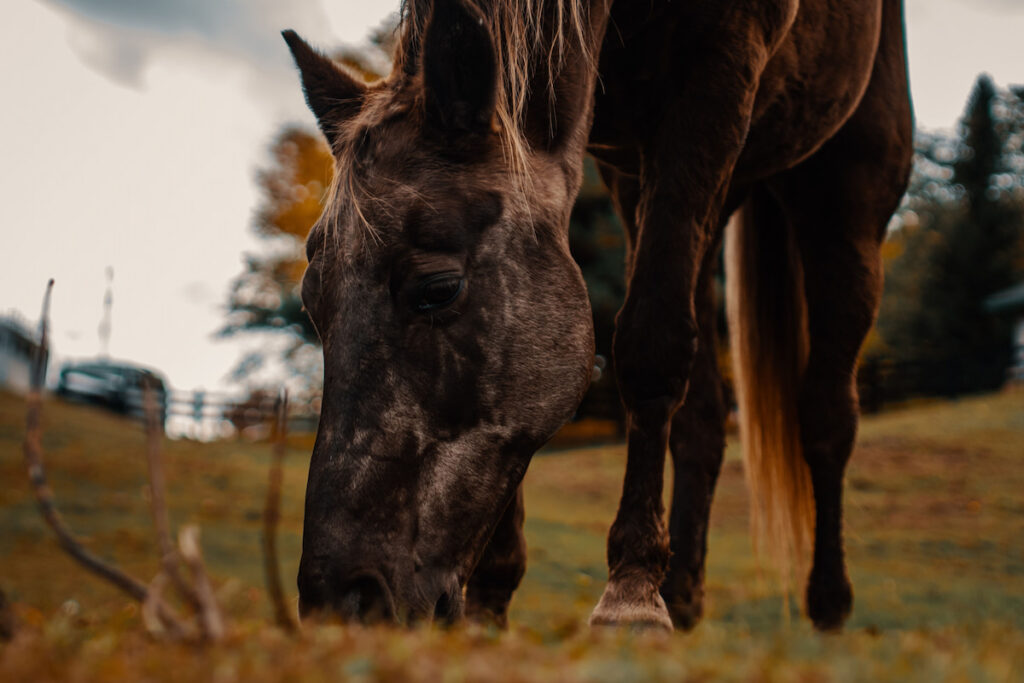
(33,451)
(37,474)
(211,621)
(8,624)
(271,516)
(158,498)
(157,618)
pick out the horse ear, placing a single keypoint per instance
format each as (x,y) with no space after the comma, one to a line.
(332,94)
(459,69)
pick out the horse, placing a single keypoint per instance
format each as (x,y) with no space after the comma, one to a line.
(456,328)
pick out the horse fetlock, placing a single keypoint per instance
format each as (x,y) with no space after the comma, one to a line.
(829,598)
(635,545)
(685,612)
(684,598)
(632,601)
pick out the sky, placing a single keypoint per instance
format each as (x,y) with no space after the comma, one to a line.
(131,131)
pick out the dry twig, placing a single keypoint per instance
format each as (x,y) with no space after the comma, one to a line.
(154,618)
(161,615)
(8,623)
(37,474)
(158,498)
(271,516)
(211,621)
(199,594)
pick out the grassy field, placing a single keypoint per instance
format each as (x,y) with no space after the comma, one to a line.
(935,539)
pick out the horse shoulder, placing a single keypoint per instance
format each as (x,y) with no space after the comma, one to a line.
(813,82)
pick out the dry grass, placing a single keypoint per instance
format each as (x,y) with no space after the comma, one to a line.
(935,502)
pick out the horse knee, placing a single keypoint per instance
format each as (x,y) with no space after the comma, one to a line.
(653,356)
(829,411)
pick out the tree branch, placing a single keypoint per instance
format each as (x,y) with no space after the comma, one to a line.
(33,452)
(158,499)
(211,621)
(8,624)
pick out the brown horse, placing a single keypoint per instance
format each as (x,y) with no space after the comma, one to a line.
(456,328)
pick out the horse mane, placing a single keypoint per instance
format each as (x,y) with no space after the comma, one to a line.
(529,36)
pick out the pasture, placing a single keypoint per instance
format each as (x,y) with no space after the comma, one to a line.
(935,522)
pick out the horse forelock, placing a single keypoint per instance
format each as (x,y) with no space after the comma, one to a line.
(349,197)
(531,39)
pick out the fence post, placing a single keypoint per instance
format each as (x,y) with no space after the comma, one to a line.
(198,400)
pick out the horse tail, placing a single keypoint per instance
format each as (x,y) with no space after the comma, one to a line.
(769,342)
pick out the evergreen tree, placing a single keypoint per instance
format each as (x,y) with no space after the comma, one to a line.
(964,245)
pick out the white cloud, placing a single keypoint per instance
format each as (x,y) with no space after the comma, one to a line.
(122,37)
(950,42)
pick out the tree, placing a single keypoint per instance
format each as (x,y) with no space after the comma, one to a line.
(265,297)
(960,235)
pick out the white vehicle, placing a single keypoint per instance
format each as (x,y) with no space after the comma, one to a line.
(115,385)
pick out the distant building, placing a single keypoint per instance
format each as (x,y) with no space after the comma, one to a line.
(1010,302)
(18,346)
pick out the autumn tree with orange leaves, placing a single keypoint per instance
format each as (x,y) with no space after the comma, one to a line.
(265,297)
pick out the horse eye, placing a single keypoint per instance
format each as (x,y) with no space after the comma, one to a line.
(437,291)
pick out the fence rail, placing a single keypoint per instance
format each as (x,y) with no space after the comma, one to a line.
(881,382)
(203,413)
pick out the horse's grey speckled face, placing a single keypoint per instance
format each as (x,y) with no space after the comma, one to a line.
(457,338)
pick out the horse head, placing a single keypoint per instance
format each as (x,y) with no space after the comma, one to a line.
(456,328)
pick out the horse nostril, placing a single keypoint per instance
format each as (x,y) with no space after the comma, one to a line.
(365,599)
(447,609)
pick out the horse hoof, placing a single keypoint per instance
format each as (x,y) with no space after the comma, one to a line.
(685,613)
(633,604)
(829,602)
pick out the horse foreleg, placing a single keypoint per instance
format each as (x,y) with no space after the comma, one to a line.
(687,163)
(501,568)
(697,444)
(656,343)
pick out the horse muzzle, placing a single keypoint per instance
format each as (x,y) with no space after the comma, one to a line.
(366,597)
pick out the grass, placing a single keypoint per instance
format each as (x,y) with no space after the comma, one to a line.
(935,496)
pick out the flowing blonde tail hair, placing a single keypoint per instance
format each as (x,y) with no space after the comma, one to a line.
(769,343)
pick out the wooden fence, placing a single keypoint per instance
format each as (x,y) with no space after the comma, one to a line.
(881,382)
